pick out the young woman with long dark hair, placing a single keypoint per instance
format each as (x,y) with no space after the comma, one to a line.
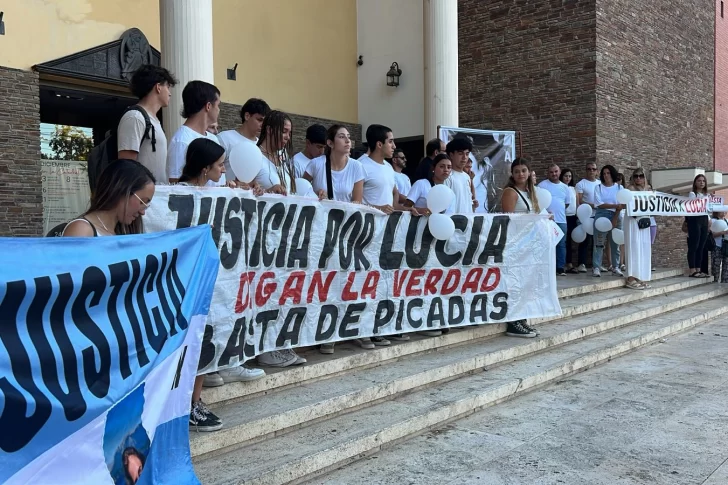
(347,174)
(277,174)
(123,193)
(698,230)
(605,202)
(567,178)
(519,197)
(204,162)
(440,170)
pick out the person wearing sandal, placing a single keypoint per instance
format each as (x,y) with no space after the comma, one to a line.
(638,254)
(698,230)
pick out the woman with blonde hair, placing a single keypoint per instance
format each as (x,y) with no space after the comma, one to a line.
(638,240)
(519,197)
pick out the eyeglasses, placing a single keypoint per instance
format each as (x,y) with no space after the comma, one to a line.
(639,176)
(146,206)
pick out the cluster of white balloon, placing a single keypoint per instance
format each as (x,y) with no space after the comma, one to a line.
(439,199)
(603,224)
(246,160)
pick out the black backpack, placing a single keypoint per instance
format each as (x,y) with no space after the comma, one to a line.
(107,151)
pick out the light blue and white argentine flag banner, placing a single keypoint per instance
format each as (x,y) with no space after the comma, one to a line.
(99,346)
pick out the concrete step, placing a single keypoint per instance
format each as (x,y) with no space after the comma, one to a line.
(349,356)
(305,452)
(255,419)
(302,453)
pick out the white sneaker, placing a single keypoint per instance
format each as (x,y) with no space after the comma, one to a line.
(276,359)
(241,374)
(212,380)
(381,341)
(581,268)
(596,272)
(298,359)
(617,272)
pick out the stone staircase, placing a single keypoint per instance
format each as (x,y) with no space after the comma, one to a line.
(298,423)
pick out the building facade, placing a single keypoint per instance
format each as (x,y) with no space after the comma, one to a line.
(620,82)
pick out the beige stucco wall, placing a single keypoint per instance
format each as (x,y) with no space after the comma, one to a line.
(300,55)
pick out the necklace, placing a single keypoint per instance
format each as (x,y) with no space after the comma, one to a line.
(102,224)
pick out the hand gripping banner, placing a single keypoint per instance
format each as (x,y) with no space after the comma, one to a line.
(99,345)
(298,272)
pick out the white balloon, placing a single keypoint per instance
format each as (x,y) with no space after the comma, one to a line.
(618,236)
(719,226)
(544,197)
(603,224)
(439,198)
(441,226)
(584,212)
(625,196)
(578,234)
(588,226)
(246,160)
(303,187)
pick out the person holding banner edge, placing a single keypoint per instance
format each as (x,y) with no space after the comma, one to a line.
(698,228)
(519,197)
(638,243)
(605,201)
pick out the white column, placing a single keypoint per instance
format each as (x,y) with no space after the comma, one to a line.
(186,32)
(441,65)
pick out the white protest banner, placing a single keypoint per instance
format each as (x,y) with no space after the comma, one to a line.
(99,346)
(660,204)
(299,272)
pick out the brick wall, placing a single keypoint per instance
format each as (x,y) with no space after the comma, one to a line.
(230,119)
(21,198)
(655,82)
(721,86)
(529,66)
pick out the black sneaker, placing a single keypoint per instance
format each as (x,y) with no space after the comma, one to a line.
(202,419)
(560,272)
(528,327)
(516,329)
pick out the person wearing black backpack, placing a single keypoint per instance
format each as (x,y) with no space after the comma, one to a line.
(140,135)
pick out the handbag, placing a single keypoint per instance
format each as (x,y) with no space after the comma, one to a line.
(643,223)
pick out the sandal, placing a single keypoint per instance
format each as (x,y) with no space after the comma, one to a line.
(695,275)
(702,275)
(635,285)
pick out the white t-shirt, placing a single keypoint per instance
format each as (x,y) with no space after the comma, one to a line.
(586,188)
(129,137)
(560,196)
(177,153)
(342,180)
(403,183)
(268,176)
(571,209)
(606,195)
(300,164)
(228,140)
(379,182)
(459,182)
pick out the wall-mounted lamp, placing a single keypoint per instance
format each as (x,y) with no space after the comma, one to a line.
(2,24)
(393,75)
(231,74)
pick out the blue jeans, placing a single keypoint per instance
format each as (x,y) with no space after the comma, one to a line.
(600,238)
(561,248)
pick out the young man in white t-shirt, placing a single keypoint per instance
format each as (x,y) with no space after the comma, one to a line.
(458,150)
(315,144)
(585,195)
(380,191)
(152,85)
(404,184)
(252,115)
(200,108)
(560,198)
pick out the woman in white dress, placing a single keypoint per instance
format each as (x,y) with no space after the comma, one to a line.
(638,240)
(519,197)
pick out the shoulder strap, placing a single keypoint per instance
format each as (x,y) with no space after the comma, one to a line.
(528,206)
(329,183)
(148,128)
